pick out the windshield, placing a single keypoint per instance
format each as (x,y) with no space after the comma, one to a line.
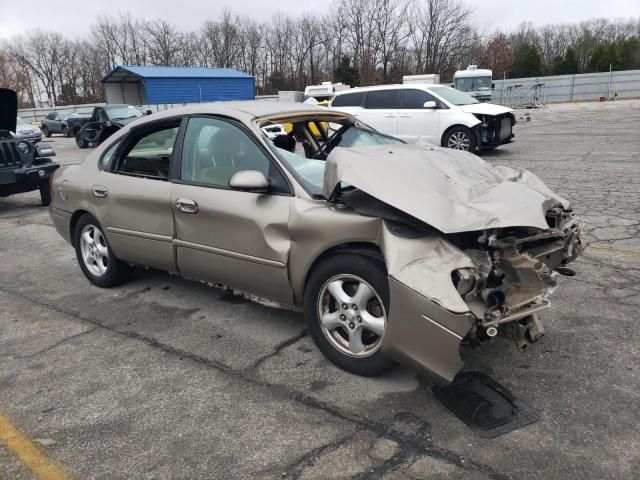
(451,95)
(122,112)
(20,121)
(308,166)
(471,84)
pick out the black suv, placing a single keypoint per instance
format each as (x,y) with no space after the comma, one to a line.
(24,166)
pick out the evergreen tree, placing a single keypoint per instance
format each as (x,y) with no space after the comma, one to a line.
(527,62)
(347,74)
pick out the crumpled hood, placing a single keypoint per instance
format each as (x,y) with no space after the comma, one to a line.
(450,190)
(485,109)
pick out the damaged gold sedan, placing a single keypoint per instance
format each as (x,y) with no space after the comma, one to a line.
(395,251)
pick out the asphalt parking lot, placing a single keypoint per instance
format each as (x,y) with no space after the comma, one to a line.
(167,378)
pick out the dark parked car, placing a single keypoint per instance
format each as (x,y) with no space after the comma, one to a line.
(66,123)
(105,121)
(24,164)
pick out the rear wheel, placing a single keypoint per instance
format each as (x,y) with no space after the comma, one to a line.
(460,138)
(346,303)
(65,131)
(46,131)
(97,261)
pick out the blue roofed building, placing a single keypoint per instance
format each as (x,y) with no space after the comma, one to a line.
(176,85)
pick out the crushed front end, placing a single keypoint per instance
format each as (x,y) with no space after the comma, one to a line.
(515,271)
(494,130)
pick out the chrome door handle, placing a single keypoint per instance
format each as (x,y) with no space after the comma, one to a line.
(405,115)
(99,191)
(390,115)
(186,205)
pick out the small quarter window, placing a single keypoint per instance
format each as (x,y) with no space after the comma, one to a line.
(106,161)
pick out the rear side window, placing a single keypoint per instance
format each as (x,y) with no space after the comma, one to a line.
(348,100)
(106,161)
(382,99)
(412,98)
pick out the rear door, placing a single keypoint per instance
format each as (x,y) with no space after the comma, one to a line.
(415,121)
(236,238)
(381,110)
(132,195)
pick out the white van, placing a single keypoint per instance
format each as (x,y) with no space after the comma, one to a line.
(436,113)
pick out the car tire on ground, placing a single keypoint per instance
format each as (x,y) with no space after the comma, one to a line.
(80,140)
(65,131)
(45,131)
(460,138)
(97,261)
(45,193)
(345,303)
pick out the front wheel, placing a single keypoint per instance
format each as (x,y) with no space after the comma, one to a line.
(460,138)
(65,131)
(45,131)
(346,303)
(81,142)
(45,193)
(97,261)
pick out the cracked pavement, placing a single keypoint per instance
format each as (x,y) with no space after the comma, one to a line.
(167,378)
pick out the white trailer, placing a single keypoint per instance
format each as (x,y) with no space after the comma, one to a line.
(475,81)
(429,79)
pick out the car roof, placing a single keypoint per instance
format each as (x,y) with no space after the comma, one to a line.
(246,110)
(395,86)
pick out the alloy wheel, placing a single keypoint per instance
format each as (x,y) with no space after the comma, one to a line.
(459,141)
(93,247)
(352,315)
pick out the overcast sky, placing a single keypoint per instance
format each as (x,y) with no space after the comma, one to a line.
(75,18)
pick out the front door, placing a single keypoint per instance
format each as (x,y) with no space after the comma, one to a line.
(415,121)
(226,236)
(132,194)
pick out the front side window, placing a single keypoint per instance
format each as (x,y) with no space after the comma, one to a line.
(214,150)
(413,98)
(379,99)
(151,155)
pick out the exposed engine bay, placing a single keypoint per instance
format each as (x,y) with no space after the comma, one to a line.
(495,129)
(516,272)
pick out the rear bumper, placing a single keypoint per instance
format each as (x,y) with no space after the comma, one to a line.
(62,222)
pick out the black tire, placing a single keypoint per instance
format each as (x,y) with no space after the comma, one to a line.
(116,272)
(46,131)
(80,140)
(455,138)
(65,131)
(373,272)
(45,193)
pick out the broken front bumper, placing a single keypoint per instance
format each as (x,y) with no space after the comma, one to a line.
(430,315)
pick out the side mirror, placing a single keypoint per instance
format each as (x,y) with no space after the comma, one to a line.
(148,111)
(249,180)
(493,86)
(430,105)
